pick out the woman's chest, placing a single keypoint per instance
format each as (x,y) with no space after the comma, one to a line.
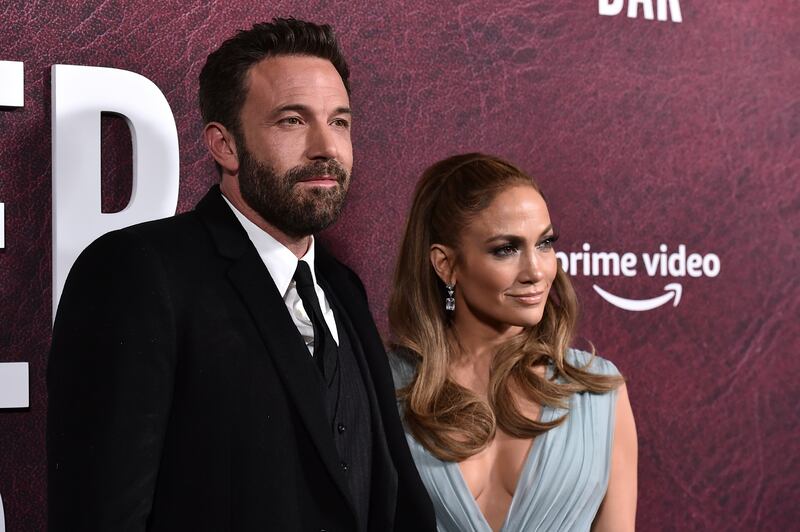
(496,470)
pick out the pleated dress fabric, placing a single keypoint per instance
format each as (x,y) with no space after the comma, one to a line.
(565,475)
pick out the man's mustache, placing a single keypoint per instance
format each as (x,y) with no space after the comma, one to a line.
(316,169)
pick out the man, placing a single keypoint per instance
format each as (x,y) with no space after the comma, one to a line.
(201,377)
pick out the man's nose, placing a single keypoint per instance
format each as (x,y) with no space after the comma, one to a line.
(322,143)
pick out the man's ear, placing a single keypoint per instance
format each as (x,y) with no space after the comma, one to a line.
(443,260)
(222,146)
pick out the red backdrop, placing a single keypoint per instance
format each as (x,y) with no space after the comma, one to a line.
(641,133)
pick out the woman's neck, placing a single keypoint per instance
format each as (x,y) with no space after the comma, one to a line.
(477,338)
(476,343)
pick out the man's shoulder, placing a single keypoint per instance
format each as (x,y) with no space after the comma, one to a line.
(176,239)
(173,232)
(161,233)
(164,228)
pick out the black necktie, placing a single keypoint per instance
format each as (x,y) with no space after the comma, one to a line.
(305,289)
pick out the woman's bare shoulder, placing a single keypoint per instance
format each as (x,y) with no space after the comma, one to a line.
(592,363)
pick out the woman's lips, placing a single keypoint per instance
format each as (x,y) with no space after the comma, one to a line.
(528,298)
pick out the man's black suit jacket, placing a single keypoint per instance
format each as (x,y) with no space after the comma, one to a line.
(182,397)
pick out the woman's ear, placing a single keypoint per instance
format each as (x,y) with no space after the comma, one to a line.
(222,146)
(443,260)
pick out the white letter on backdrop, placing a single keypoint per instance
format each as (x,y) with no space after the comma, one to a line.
(12,88)
(13,375)
(633,8)
(674,9)
(80,94)
(12,94)
(610,7)
(14,391)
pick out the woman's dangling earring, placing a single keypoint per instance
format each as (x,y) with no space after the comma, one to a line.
(449,301)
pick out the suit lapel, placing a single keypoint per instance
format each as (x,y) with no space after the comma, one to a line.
(252,281)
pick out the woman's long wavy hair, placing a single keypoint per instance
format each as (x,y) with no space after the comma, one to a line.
(452,422)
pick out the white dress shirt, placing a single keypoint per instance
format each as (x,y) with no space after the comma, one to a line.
(281,264)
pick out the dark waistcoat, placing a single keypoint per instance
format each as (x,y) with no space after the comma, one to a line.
(348,412)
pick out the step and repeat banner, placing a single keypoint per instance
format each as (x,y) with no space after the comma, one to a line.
(665,134)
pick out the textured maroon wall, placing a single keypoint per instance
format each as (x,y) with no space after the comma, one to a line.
(641,133)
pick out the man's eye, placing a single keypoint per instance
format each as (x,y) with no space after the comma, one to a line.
(291,120)
(547,243)
(505,251)
(342,123)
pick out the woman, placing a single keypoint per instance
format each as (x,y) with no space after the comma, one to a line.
(510,428)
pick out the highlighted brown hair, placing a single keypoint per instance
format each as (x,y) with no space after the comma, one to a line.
(452,422)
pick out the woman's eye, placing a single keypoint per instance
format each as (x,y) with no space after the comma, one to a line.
(505,251)
(547,243)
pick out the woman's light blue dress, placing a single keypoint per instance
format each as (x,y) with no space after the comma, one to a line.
(565,474)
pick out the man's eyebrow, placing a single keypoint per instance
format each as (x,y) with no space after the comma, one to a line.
(300,108)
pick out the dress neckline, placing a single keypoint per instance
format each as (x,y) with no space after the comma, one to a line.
(580,473)
(545,414)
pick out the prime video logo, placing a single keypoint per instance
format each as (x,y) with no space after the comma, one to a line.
(660,264)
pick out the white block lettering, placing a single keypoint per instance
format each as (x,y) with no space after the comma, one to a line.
(12,94)
(79,95)
(610,7)
(647,5)
(14,385)
(12,86)
(674,10)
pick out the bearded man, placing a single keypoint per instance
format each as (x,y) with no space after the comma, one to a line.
(219,370)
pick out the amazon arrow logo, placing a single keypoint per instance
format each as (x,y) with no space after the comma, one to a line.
(673,292)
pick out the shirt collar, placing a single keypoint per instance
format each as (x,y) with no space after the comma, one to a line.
(280,262)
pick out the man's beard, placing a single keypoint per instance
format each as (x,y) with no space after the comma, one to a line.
(297,211)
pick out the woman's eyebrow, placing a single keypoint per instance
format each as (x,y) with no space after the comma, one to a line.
(516,239)
(511,239)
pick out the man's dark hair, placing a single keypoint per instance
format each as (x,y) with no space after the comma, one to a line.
(222,80)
